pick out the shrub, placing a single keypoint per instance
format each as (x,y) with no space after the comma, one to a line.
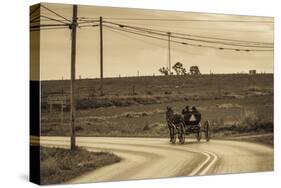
(78,128)
(146,127)
(168,92)
(253,122)
(149,93)
(185,98)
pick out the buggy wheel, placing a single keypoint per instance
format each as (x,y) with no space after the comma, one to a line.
(207,130)
(199,135)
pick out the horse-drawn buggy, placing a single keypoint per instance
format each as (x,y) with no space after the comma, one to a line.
(187,123)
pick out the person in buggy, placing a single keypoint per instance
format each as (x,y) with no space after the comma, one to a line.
(197,115)
(186,114)
(192,117)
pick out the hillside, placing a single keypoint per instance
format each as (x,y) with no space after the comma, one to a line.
(135,106)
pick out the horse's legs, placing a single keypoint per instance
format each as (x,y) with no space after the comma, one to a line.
(170,130)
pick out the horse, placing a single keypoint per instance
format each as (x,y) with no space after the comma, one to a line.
(174,120)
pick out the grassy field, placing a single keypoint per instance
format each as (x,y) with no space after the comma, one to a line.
(60,165)
(267,138)
(135,106)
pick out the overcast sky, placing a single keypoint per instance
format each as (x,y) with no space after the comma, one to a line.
(126,54)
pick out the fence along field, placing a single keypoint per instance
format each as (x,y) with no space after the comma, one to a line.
(237,104)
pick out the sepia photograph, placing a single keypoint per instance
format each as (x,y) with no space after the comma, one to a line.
(122,94)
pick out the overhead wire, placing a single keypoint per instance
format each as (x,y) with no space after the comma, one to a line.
(129,36)
(184,26)
(55,13)
(197,36)
(173,34)
(47,25)
(32,12)
(191,20)
(35,18)
(87,21)
(183,43)
(48,28)
(91,25)
(53,19)
(152,32)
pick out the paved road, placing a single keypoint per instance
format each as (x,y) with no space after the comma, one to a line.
(157,158)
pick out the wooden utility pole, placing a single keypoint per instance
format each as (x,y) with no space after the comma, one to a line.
(169,48)
(72,82)
(101,58)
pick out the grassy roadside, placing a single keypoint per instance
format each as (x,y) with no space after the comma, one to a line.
(266,139)
(60,165)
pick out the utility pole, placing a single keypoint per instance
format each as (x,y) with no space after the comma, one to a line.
(72,84)
(169,48)
(101,57)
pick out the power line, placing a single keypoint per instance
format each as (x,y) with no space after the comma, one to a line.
(39,19)
(45,19)
(80,26)
(223,43)
(144,41)
(32,12)
(141,40)
(191,35)
(48,28)
(53,19)
(88,21)
(35,18)
(223,39)
(184,43)
(155,32)
(47,25)
(56,13)
(129,36)
(190,20)
(85,17)
(199,36)
(167,26)
(165,33)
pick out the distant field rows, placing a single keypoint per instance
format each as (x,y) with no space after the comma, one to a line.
(136,106)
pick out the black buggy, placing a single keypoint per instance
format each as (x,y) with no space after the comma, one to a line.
(179,126)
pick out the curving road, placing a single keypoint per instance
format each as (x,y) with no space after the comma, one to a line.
(157,158)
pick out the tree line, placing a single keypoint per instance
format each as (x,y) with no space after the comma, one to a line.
(180,70)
